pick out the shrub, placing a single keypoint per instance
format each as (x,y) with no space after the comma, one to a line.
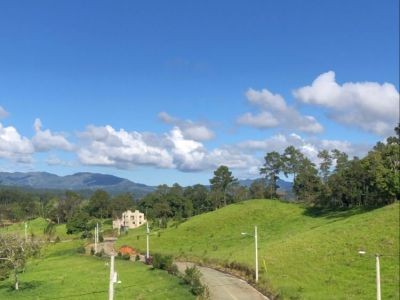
(126,257)
(192,278)
(173,270)
(108,222)
(137,257)
(163,262)
(91,251)
(81,250)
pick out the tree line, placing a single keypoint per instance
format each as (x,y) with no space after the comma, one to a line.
(337,180)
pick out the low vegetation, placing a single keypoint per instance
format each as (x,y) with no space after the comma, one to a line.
(62,273)
(304,253)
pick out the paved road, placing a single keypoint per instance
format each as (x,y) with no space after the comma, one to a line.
(224,286)
(107,246)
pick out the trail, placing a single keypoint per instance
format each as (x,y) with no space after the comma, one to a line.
(224,286)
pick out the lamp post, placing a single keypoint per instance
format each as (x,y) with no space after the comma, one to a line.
(147,240)
(378,274)
(256,248)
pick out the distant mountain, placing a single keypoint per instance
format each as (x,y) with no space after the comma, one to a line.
(283,185)
(76,182)
(285,188)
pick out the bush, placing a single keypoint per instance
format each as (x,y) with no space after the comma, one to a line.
(173,270)
(163,262)
(81,250)
(192,278)
(137,257)
(126,257)
(91,251)
(86,235)
(108,222)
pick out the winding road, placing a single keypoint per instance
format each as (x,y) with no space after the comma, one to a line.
(224,286)
(221,286)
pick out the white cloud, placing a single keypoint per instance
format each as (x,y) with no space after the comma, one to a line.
(308,146)
(190,130)
(119,148)
(370,106)
(275,112)
(13,146)
(45,140)
(3,113)
(262,120)
(106,146)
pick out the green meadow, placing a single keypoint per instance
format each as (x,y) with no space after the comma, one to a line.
(36,228)
(303,253)
(62,273)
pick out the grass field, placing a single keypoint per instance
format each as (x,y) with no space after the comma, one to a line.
(61,273)
(36,228)
(308,254)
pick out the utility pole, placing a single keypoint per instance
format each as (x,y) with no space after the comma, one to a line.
(378,278)
(95,238)
(147,241)
(26,232)
(256,246)
(111,283)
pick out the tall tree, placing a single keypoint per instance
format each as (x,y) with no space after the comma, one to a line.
(257,189)
(325,164)
(222,180)
(273,165)
(307,184)
(99,204)
(198,195)
(291,159)
(121,203)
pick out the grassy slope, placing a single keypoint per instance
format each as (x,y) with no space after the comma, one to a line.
(61,273)
(307,256)
(36,228)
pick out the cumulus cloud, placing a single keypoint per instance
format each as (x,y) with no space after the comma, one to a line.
(371,106)
(190,130)
(13,146)
(106,146)
(45,140)
(308,146)
(275,112)
(109,147)
(3,113)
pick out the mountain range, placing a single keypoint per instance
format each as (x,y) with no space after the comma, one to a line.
(89,182)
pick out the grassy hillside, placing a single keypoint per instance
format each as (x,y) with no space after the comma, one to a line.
(308,254)
(61,273)
(36,228)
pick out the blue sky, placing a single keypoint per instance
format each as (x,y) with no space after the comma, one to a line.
(184,86)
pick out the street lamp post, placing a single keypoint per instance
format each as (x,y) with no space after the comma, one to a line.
(378,274)
(256,248)
(378,278)
(147,241)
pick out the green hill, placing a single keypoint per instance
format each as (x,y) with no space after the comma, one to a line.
(308,254)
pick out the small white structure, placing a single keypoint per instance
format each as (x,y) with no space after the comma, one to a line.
(130,220)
